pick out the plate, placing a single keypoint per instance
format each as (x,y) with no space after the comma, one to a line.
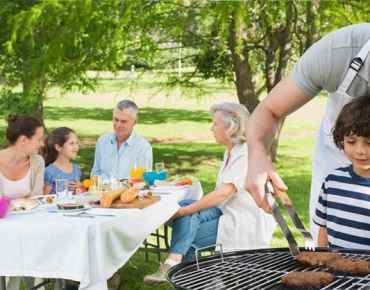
(23,206)
(68,206)
(87,197)
(56,209)
(45,198)
(169,188)
(26,211)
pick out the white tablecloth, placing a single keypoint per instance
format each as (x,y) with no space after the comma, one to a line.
(88,250)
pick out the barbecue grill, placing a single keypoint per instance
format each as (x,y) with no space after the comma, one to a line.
(256,270)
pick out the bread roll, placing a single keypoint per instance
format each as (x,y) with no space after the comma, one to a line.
(129,195)
(109,197)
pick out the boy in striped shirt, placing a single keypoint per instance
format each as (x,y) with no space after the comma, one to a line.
(343,209)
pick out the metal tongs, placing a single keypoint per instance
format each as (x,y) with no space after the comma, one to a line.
(293,247)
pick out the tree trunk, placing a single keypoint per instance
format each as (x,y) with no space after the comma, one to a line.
(311,32)
(33,95)
(244,84)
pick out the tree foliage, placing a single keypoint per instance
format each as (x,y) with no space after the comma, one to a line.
(251,43)
(55,42)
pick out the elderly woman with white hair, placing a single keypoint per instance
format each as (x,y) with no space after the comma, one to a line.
(228,215)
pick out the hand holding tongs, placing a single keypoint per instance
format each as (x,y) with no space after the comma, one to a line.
(308,240)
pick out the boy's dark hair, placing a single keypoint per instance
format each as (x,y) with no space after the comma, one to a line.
(20,125)
(58,136)
(354,119)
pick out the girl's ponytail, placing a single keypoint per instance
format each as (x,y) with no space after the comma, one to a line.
(49,152)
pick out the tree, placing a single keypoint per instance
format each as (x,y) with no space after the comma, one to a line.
(55,42)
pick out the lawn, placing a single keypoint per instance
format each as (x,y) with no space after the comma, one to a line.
(178,128)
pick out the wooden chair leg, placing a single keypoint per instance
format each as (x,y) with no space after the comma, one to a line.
(166,237)
(146,250)
(2,283)
(158,245)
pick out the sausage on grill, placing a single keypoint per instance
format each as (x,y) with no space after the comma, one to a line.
(351,266)
(304,280)
(316,259)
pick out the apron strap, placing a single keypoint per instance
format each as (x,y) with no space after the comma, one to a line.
(355,67)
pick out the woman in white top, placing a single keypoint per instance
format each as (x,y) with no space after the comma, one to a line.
(21,168)
(228,215)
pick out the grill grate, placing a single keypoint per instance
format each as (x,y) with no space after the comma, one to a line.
(256,270)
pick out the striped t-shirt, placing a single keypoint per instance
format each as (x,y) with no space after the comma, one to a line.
(344,209)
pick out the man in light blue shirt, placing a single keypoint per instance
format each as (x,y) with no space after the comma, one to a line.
(118,152)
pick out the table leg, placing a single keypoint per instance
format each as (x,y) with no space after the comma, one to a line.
(2,283)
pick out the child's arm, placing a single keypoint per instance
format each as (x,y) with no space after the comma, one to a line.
(320,217)
(48,181)
(47,188)
(322,240)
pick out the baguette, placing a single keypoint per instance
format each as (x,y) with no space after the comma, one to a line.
(129,195)
(108,198)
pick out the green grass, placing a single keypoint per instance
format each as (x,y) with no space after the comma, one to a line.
(178,129)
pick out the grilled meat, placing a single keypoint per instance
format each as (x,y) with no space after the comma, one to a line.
(351,266)
(316,259)
(304,280)
(334,262)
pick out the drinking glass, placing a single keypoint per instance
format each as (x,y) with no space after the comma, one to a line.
(61,189)
(106,185)
(161,171)
(136,173)
(96,183)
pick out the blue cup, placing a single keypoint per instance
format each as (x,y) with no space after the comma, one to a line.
(150,177)
(162,175)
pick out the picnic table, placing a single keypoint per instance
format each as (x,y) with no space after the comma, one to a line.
(86,248)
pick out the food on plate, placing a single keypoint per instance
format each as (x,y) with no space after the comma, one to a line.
(109,197)
(351,266)
(87,183)
(138,185)
(50,198)
(129,195)
(23,204)
(184,181)
(148,194)
(316,259)
(304,280)
(70,206)
(81,189)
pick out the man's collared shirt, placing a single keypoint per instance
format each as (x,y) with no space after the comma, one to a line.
(111,161)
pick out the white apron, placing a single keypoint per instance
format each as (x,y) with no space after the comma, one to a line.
(327,155)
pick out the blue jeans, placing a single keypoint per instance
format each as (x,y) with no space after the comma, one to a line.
(194,231)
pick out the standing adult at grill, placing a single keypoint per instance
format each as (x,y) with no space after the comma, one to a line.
(338,64)
(118,152)
(227,215)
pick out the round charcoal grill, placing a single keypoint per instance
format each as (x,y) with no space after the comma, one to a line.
(256,269)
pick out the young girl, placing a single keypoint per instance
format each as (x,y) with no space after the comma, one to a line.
(61,147)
